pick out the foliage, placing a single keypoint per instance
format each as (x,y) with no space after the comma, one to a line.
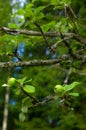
(42,45)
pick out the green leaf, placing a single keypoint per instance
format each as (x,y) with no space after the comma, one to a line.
(48,26)
(28,81)
(66,2)
(24,109)
(21,81)
(29,88)
(17,91)
(38,17)
(70,86)
(37,11)
(74,94)
(20,12)
(54,2)
(5,85)
(22,117)
(29,10)
(12,25)
(25,100)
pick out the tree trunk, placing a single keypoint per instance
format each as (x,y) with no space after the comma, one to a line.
(5,113)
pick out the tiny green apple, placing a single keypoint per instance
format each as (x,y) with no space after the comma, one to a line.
(59,89)
(11,81)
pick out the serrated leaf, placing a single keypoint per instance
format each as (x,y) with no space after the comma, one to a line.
(70,86)
(74,94)
(21,117)
(29,88)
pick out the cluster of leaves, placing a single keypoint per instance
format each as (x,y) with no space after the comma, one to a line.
(21,85)
(61,91)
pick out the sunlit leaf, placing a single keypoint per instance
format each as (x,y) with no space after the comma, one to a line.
(21,81)
(74,94)
(71,86)
(13,25)
(27,81)
(29,88)
(54,2)
(5,85)
(48,26)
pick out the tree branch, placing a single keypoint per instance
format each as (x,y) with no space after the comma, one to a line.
(62,40)
(44,37)
(34,62)
(68,76)
(47,100)
(70,51)
(41,62)
(47,34)
(31,96)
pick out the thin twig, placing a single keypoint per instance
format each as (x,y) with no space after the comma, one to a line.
(62,40)
(32,97)
(15,52)
(68,76)
(70,51)
(47,100)
(44,37)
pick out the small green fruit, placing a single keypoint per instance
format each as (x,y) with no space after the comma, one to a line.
(11,81)
(59,89)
